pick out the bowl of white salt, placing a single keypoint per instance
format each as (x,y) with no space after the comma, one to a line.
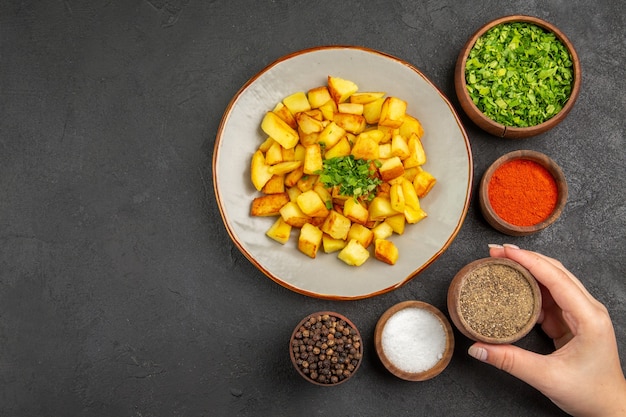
(414,340)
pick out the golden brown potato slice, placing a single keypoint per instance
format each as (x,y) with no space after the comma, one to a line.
(353,123)
(331,244)
(259,171)
(310,240)
(365,148)
(313,161)
(376,135)
(318,96)
(279,231)
(282,168)
(331,134)
(340,89)
(336,225)
(380,209)
(382,230)
(371,111)
(355,211)
(275,185)
(396,197)
(361,234)
(354,253)
(397,223)
(311,204)
(269,205)
(293,215)
(391,168)
(283,112)
(386,251)
(366,97)
(423,182)
(399,147)
(297,102)
(329,109)
(274,154)
(309,124)
(350,108)
(410,195)
(414,215)
(342,148)
(392,112)
(279,130)
(411,125)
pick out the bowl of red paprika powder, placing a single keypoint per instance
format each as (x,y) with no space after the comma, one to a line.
(522,193)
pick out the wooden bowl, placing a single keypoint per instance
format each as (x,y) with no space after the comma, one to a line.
(491,126)
(400,371)
(346,348)
(511,229)
(494,300)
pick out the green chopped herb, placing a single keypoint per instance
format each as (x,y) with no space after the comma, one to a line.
(518,74)
(354,177)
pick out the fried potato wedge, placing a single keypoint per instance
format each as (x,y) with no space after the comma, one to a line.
(269,205)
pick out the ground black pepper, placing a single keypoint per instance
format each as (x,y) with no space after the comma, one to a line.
(326,349)
(496,301)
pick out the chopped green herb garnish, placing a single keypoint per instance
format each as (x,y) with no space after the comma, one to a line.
(354,177)
(518,74)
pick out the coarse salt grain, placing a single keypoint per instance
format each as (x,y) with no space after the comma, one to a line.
(413,339)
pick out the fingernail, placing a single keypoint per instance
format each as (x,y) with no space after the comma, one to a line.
(495,246)
(477,352)
(511,246)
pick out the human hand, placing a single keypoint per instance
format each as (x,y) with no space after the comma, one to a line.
(583,376)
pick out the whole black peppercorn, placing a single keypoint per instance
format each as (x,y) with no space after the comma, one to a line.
(326,348)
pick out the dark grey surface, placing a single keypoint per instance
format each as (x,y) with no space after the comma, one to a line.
(121,294)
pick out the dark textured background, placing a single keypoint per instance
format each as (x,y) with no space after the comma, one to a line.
(121,293)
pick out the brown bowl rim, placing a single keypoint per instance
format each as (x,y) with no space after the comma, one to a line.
(321,313)
(454,292)
(510,229)
(415,376)
(498,129)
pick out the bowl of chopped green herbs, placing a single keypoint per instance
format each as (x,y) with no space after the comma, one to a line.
(517,76)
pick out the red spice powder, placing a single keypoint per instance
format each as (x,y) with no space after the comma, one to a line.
(522,192)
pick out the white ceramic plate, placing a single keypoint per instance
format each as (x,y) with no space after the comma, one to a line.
(449,160)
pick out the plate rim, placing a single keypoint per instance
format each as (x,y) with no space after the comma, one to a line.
(216,150)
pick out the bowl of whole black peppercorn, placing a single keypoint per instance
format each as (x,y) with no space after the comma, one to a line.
(326,348)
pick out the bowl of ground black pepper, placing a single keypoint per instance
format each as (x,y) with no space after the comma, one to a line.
(517,76)
(326,348)
(494,300)
(522,192)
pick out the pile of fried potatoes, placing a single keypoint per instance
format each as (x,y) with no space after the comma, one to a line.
(336,121)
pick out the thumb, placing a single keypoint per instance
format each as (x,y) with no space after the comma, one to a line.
(522,364)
